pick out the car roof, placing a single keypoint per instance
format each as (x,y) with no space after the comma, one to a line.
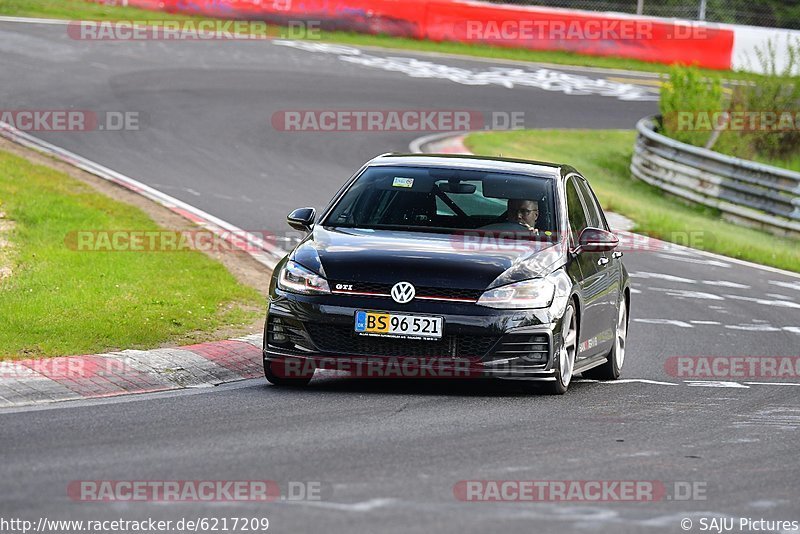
(468,161)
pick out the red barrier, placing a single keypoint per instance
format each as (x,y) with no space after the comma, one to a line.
(474,22)
(392,17)
(580,32)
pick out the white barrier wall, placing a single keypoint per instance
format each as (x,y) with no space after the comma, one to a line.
(747,39)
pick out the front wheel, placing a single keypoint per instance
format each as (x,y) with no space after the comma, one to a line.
(565,361)
(613,366)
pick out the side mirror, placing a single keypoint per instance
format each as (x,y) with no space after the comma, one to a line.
(597,240)
(301,219)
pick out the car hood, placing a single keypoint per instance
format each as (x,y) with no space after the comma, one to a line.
(424,259)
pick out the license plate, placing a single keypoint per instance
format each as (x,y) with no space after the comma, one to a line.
(399,325)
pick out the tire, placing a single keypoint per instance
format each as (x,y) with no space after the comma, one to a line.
(279,378)
(616,356)
(565,361)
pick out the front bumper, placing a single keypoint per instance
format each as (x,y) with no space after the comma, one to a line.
(477,341)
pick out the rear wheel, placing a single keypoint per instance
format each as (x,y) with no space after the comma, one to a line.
(565,360)
(288,372)
(611,369)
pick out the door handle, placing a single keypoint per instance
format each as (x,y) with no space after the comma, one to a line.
(602,261)
(616,255)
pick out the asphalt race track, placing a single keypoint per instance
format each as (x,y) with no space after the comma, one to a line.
(387,454)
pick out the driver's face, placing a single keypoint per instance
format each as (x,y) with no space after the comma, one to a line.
(523,212)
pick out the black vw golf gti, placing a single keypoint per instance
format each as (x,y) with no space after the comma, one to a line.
(442,265)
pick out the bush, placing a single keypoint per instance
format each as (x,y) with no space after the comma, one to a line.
(686,91)
(687,97)
(779,91)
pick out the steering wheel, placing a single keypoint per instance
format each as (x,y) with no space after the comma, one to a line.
(511,226)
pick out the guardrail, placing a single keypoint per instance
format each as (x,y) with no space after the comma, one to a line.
(746,192)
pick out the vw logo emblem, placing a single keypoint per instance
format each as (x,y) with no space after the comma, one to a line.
(403,292)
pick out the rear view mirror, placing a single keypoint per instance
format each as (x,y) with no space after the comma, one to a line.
(457,188)
(302,219)
(597,240)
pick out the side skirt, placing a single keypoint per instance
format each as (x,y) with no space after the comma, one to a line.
(594,361)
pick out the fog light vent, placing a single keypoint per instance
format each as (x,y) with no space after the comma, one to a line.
(277,332)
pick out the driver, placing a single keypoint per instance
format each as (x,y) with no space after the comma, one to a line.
(520,213)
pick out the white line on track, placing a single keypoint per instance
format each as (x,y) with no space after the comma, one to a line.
(725,283)
(670,322)
(753,327)
(728,384)
(765,302)
(661,276)
(682,293)
(756,327)
(698,261)
(788,285)
(772,383)
(715,384)
(363,506)
(638,381)
(27,20)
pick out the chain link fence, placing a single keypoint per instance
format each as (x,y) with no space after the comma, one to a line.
(767,13)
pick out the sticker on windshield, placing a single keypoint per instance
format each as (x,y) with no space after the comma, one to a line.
(402,182)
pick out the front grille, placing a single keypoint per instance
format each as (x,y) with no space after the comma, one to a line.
(434,292)
(343,340)
(446,292)
(533,348)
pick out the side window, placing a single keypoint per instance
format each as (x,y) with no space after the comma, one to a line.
(593,210)
(575,212)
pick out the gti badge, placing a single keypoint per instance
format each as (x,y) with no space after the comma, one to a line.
(403,292)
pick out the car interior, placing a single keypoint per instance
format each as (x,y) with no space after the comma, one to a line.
(447,199)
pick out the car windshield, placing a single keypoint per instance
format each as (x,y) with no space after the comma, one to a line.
(446,200)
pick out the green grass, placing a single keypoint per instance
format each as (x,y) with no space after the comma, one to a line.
(60,301)
(730,145)
(793,163)
(74,9)
(81,9)
(604,157)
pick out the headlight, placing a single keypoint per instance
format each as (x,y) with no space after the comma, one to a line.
(297,279)
(528,294)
